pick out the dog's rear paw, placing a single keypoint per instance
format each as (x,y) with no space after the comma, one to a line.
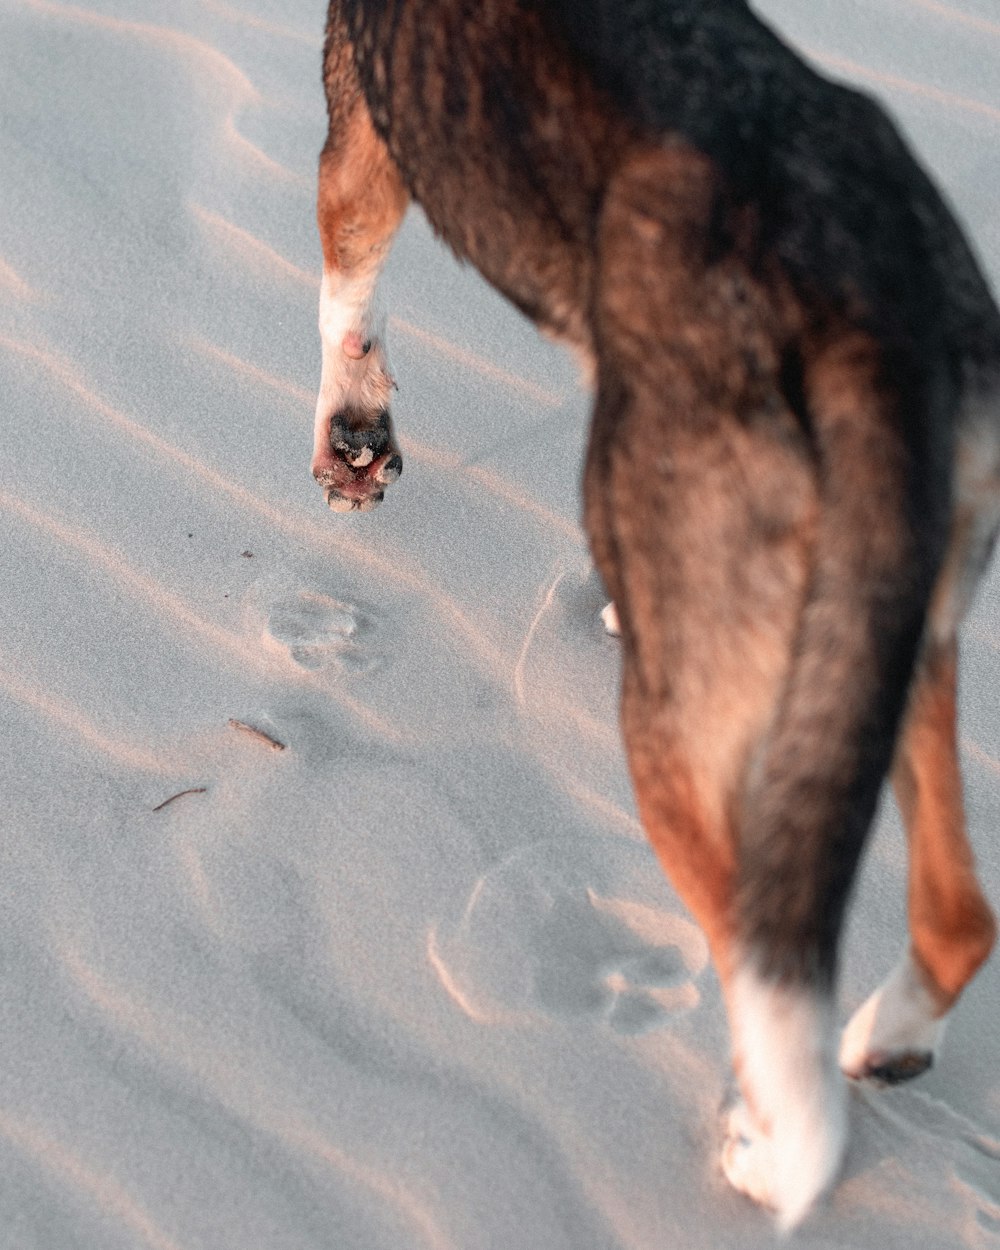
(892,1036)
(748,1157)
(362,459)
(784,1167)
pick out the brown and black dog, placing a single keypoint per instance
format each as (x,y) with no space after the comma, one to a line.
(793,480)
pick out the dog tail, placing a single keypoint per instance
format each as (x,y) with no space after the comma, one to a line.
(813,783)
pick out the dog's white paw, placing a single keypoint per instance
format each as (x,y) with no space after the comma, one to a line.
(785,1147)
(748,1157)
(785,1176)
(893,1036)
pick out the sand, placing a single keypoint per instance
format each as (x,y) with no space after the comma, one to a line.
(415,979)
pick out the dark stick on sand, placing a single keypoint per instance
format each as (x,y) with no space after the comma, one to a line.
(196,790)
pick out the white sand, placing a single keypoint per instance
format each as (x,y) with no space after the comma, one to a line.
(416,980)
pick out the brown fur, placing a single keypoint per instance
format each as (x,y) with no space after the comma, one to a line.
(951,926)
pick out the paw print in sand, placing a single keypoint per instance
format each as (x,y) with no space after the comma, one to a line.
(557,932)
(592,956)
(318,630)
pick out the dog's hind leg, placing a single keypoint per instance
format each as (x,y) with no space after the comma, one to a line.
(703,535)
(709,573)
(752,523)
(894,1035)
(361,202)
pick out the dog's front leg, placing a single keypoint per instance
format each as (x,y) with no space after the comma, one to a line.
(360,204)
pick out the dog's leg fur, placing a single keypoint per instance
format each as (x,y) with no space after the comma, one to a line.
(894,1035)
(361,202)
(816,789)
(697,699)
(760,710)
(734,694)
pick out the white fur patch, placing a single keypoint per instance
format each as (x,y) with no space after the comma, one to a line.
(898,1019)
(787,1150)
(609,615)
(349,306)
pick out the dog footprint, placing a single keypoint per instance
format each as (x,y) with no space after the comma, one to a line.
(650,987)
(615,958)
(546,933)
(317,630)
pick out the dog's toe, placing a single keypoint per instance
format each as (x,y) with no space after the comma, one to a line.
(337,502)
(390,471)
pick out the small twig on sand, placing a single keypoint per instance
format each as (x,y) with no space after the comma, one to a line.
(259,734)
(196,790)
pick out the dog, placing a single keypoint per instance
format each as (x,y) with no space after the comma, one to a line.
(792,483)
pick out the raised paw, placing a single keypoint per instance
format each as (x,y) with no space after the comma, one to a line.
(893,1036)
(359,460)
(355,456)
